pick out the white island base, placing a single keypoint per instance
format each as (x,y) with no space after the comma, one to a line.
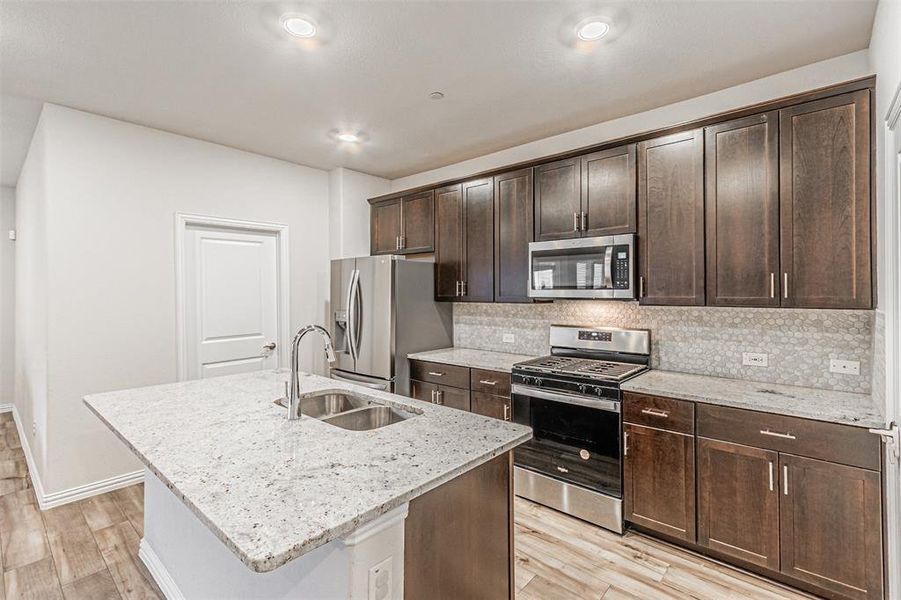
(188,561)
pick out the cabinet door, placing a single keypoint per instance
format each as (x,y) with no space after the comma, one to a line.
(832,526)
(557,200)
(608,192)
(492,406)
(418,232)
(448,242)
(825,195)
(423,390)
(738,501)
(478,236)
(671,219)
(453,397)
(659,480)
(384,227)
(513,230)
(742,170)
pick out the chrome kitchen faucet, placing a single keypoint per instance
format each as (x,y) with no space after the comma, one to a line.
(293,394)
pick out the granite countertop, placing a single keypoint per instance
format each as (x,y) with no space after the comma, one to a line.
(810,403)
(468,357)
(273,489)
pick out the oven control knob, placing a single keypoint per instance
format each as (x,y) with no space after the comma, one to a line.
(537,382)
(599,391)
(527,380)
(582,388)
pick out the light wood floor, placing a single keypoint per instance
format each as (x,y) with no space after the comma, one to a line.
(89,550)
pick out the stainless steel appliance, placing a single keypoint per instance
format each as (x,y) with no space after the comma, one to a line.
(597,267)
(571,399)
(383,308)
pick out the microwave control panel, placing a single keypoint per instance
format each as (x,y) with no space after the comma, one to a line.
(621,267)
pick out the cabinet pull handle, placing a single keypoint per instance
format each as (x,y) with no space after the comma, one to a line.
(641,287)
(562,469)
(436,373)
(506,412)
(403,242)
(772,285)
(584,222)
(785,479)
(397,242)
(625,443)
(785,436)
(785,285)
(486,382)
(463,288)
(433,397)
(771,476)
(575,221)
(440,397)
(655,413)
(457,289)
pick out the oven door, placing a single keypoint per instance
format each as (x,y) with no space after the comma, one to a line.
(597,267)
(575,439)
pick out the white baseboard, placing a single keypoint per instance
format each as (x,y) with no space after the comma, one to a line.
(159,572)
(80,492)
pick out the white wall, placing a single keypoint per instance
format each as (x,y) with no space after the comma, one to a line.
(349,211)
(7,294)
(820,74)
(112,192)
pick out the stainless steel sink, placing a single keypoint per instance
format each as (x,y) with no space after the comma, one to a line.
(365,419)
(348,410)
(326,403)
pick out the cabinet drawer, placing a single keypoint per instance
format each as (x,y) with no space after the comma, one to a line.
(495,383)
(662,413)
(440,373)
(842,444)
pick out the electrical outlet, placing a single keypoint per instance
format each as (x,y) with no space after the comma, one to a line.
(754,359)
(845,367)
(380,581)
(34,428)
(509,338)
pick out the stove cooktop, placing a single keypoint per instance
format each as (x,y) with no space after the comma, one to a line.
(603,370)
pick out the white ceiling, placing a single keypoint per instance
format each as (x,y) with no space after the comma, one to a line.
(511,71)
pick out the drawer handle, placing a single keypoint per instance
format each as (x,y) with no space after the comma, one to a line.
(487,382)
(655,413)
(771,476)
(436,374)
(506,412)
(784,436)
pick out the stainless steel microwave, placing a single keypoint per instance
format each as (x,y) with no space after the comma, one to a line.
(597,267)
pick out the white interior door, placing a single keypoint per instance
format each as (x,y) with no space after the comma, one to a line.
(231,301)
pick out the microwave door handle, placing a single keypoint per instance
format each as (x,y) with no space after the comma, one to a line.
(608,268)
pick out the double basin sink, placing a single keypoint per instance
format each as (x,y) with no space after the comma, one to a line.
(348,410)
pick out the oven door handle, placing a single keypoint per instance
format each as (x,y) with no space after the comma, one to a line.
(588,402)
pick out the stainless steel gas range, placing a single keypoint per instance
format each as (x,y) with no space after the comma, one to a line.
(572,400)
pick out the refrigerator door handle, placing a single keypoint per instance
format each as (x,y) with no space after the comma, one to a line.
(358,313)
(350,330)
(382,385)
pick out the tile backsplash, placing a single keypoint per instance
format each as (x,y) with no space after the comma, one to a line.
(703,340)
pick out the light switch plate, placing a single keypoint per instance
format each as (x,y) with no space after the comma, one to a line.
(754,359)
(11,234)
(845,367)
(509,338)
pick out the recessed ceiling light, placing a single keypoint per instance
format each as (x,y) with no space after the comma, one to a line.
(591,30)
(299,26)
(349,137)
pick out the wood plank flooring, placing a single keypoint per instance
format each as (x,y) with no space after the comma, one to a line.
(88,550)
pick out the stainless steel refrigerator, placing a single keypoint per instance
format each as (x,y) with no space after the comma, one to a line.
(383,308)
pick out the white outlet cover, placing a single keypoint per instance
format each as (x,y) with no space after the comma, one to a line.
(845,367)
(509,338)
(754,359)
(380,580)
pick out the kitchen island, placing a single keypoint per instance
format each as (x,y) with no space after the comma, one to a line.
(241,502)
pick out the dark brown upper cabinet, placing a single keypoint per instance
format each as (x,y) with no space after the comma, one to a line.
(671,219)
(464,244)
(738,501)
(742,172)
(403,225)
(478,236)
(608,192)
(513,230)
(448,242)
(557,200)
(825,203)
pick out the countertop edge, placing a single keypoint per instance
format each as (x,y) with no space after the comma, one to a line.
(429,356)
(265,565)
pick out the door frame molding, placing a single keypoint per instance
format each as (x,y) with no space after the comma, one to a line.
(280,230)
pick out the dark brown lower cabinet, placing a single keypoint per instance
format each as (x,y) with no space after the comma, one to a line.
(738,501)
(440,394)
(832,526)
(659,480)
(458,538)
(488,405)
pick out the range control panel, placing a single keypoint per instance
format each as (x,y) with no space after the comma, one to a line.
(595,336)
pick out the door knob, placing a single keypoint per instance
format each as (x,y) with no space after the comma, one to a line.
(270,346)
